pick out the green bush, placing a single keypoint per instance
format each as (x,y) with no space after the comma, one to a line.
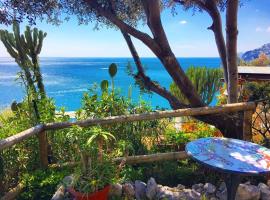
(42,184)
(206,81)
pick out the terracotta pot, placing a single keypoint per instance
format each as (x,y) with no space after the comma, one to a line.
(98,195)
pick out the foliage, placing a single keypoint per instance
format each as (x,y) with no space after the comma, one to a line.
(33,9)
(42,184)
(222,97)
(171,173)
(97,177)
(110,103)
(206,81)
(23,157)
(255,91)
(262,60)
(190,130)
(25,49)
(132,138)
(96,171)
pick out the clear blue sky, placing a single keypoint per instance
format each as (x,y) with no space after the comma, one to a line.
(187,33)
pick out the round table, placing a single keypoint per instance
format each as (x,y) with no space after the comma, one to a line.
(233,157)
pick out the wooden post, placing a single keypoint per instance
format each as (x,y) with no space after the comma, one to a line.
(247,125)
(43,149)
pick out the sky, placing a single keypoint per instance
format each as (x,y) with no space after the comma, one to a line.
(187,33)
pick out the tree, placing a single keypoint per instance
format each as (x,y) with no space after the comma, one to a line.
(227,50)
(125,15)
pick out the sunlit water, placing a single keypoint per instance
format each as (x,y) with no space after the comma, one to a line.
(66,79)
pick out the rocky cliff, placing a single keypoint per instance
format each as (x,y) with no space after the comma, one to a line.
(253,54)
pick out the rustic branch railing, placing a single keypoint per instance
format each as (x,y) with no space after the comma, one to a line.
(40,130)
(228,108)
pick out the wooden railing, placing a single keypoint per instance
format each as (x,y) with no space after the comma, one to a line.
(248,108)
(40,130)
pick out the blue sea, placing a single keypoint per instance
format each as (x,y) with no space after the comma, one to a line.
(66,79)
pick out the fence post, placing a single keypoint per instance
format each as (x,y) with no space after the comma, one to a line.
(247,125)
(43,149)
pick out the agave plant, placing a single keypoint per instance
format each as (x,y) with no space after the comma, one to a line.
(100,136)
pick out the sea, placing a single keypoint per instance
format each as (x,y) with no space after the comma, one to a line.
(67,79)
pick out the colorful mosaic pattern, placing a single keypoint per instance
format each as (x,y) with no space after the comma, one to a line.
(231,155)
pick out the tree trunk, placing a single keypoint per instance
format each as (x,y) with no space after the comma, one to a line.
(39,80)
(100,150)
(230,126)
(212,9)
(231,40)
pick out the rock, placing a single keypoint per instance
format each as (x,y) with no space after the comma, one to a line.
(128,190)
(247,183)
(209,188)
(151,188)
(59,194)
(116,190)
(140,190)
(253,54)
(265,191)
(180,187)
(221,192)
(189,194)
(247,192)
(164,192)
(67,180)
(198,187)
(268,183)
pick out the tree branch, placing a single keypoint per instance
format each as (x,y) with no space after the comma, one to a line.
(210,6)
(159,45)
(148,83)
(231,42)
(152,11)
(112,17)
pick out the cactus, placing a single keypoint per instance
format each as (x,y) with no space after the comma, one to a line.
(104,85)
(25,50)
(112,72)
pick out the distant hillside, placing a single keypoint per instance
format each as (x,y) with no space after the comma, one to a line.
(253,54)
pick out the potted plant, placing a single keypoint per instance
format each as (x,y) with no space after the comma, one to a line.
(96,172)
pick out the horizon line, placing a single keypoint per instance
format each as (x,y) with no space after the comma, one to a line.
(113,57)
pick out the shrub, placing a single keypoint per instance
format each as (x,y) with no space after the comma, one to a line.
(42,184)
(206,81)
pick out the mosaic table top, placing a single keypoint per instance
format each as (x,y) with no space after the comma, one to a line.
(230,155)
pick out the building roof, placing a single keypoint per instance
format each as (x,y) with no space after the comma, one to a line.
(254,70)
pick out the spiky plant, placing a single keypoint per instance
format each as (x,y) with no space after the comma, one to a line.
(206,81)
(25,49)
(100,136)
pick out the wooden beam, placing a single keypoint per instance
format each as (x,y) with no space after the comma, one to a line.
(247,125)
(13,193)
(12,140)
(228,108)
(43,149)
(153,157)
(136,159)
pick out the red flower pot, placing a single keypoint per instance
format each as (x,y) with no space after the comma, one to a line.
(98,195)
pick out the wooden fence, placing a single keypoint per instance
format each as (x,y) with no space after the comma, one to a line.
(248,108)
(40,130)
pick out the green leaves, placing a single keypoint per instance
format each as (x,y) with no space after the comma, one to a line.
(99,134)
(205,80)
(104,85)
(112,70)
